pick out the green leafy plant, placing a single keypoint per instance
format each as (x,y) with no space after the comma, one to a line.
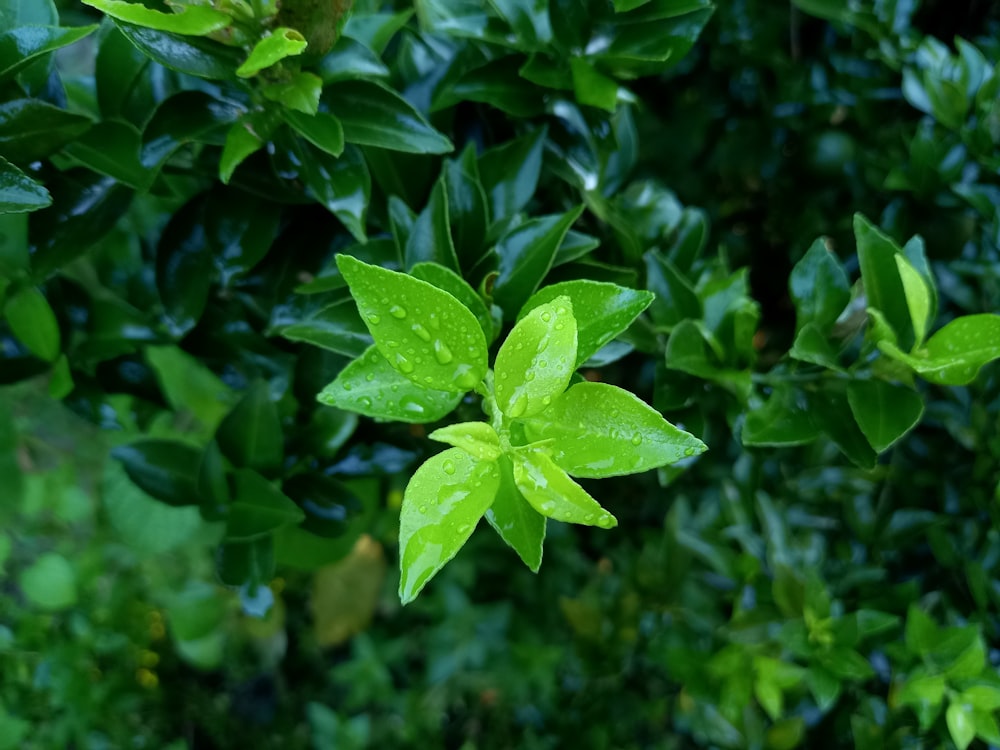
(516,469)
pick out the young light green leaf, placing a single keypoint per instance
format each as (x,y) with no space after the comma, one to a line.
(884,412)
(369,385)
(430,238)
(918,297)
(782,421)
(258,508)
(442,504)
(552,493)
(241,143)
(478,439)
(278,45)
(513,518)
(961,724)
(193,20)
(602,310)
(675,299)
(34,324)
(449,281)
(425,333)
(536,361)
(601,430)
(819,287)
(955,354)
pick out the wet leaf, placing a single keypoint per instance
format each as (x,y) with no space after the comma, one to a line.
(552,493)
(442,504)
(196,20)
(371,386)
(425,334)
(602,311)
(536,360)
(478,439)
(513,518)
(601,430)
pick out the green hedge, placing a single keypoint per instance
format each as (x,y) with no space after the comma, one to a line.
(258,259)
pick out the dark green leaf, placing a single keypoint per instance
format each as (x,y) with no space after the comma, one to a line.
(187,117)
(510,173)
(884,412)
(513,518)
(165,469)
(184,268)
(337,327)
(18,192)
(197,57)
(250,436)
(819,287)
(883,287)
(526,254)
(246,563)
(782,421)
(350,60)
(258,508)
(32,321)
(20,46)
(31,129)
(831,412)
(430,238)
(374,115)
(321,129)
(675,299)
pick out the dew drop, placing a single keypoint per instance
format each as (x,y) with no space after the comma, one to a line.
(449,467)
(412,405)
(546,400)
(366,402)
(428,379)
(397,312)
(589,518)
(463,528)
(393,344)
(422,508)
(548,506)
(404,365)
(434,322)
(519,406)
(689,452)
(614,433)
(374,319)
(543,363)
(370,377)
(347,386)
(442,353)
(546,316)
(394,388)
(518,346)
(559,326)
(561,310)
(605,521)
(422,333)
(504,375)
(637,439)
(529,376)
(466,380)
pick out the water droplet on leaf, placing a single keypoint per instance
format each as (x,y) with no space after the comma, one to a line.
(449,467)
(374,319)
(606,521)
(404,365)
(366,402)
(637,439)
(519,406)
(442,353)
(546,316)
(422,333)
(397,312)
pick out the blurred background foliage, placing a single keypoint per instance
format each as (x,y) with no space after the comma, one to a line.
(769,597)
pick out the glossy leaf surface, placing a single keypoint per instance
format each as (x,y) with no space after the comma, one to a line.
(164,469)
(883,287)
(371,386)
(536,360)
(442,504)
(478,439)
(425,334)
(19,46)
(513,518)
(276,46)
(449,281)
(602,311)
(601,430)
(956,353)
(550,491)
(884,412)
(196,20)
(18,192)
(374,115)
(526,254)
(337,327)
